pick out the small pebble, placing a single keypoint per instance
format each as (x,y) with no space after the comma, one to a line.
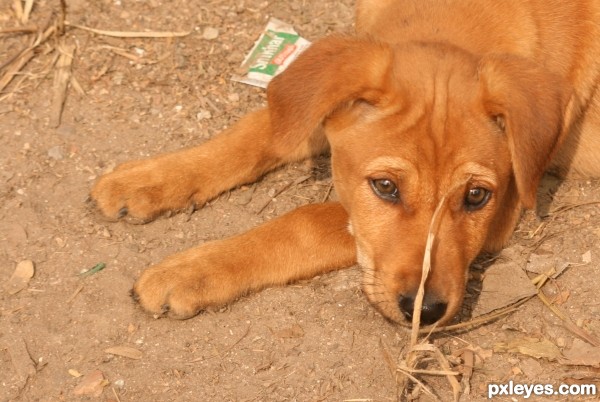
(210,33)
(56,153)
(203,115)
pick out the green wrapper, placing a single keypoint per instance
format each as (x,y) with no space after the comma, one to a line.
(276,48)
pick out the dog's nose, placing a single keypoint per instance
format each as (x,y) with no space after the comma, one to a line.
(431,312)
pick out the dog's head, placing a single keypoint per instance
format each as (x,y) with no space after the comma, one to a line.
(412,125)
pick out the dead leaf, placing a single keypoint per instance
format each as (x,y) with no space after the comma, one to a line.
(468,357)
(482,354)
(91,384)
(542,264)
(20,278)
(538,348)
(562,297)
(125,351)
(497,292)
(582,354)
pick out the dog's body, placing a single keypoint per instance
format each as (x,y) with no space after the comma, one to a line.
(462,103)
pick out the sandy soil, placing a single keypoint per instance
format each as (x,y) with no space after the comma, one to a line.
(319,340)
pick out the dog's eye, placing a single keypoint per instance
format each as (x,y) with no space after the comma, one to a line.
(476,198)
(385,189)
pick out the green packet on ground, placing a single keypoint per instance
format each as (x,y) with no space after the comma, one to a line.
(272,53)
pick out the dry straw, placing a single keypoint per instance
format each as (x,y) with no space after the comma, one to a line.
(417,350)
(65,53)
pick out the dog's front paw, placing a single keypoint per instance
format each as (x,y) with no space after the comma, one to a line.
(185,284)
(141,190)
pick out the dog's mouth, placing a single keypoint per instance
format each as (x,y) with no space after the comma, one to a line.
(400,307)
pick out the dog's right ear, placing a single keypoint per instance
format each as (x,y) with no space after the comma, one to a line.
(332,72)
(530,103)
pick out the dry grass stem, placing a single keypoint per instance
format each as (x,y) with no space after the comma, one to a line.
(445,365)
(539,281)
(418,382)
(10,69)
(565,208)
(62,77)
(387,357)
(16,30)
(137,59)
(569,324)
(15,67)
(77,86)
(475,322)
(281,190)
(18,8)
(21,12)
(327,193)
(75,293)
(27,11)
(468,357)
(115,394)
(413,355)
(433,226)
(430,372)
(129,34)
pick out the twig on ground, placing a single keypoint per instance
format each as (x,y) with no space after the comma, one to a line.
(129,34)
(27,11)
(539,282)
(62,77)
(483,319)
(328,192)
(281,190)
(17,30)
(13,67)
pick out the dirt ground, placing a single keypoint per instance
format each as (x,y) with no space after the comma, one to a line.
(319,340)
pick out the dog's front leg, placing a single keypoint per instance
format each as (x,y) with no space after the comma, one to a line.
(141,190)
(301,244)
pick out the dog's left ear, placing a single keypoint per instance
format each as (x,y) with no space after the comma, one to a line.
(333,72)
(529,103)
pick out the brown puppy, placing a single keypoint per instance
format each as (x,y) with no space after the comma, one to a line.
(463,100)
